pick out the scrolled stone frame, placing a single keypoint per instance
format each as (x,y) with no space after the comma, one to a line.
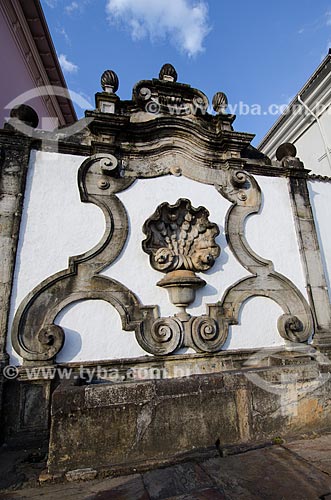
(37,339)
(296,324)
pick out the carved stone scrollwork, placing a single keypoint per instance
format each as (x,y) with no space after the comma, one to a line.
(180,241)
(206,334)
(296,324)
(209,332)
(166,335)
(291,328)
(34,335)
(165,95)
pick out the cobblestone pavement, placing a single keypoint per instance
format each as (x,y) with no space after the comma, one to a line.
(298,470)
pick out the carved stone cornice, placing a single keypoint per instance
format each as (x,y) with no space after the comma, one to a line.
(201,129)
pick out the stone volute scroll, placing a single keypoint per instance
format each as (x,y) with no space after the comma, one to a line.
(180,242)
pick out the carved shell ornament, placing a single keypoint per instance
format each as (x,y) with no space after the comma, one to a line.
(181,237)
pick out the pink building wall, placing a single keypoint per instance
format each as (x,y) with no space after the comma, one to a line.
(17,79)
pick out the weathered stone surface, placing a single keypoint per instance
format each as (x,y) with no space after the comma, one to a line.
(13,171)
(267,473)
(158,422)
(26,416)
(315,451)
(166,418)
(179,479)
(45,477)
(271,473)
(206,494)
(180,236)
(14,158)
(312,259)
(132,488)
(81,474)
(109,81)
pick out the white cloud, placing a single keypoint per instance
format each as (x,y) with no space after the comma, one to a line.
(71,7)
(76,6)
(67,66)
(51,3)
(184,22)
(328,18)
(65,35)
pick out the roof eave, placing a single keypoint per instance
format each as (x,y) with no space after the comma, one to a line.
(285,116)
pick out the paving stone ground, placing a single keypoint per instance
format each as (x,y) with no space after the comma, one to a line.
(298,470)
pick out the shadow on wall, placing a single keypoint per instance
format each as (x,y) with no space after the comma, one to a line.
(72,344)
(220,262)
(93,332)
(265,332)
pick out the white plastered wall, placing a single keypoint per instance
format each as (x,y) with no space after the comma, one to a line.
(311,147)
(56,225)
(320,199)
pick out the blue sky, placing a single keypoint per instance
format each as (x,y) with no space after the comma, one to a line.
(258,52)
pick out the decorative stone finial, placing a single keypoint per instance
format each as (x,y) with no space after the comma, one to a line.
(286,155)
(220,102)
(168,73)
(284,150)
(25,114)
(109,81)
